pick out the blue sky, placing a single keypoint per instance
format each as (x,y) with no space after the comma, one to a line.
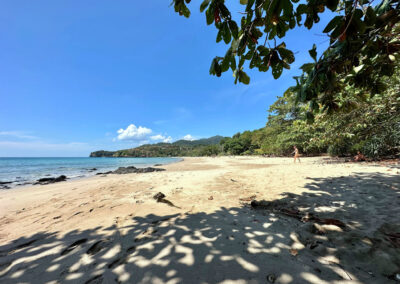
(75,76)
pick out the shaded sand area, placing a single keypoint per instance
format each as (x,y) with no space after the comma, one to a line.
(322,222)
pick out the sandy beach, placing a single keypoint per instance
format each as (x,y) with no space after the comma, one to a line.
(322,221)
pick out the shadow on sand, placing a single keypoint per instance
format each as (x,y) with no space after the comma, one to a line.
(231,245)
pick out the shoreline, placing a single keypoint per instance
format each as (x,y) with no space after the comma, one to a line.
(11,185)
(112,229)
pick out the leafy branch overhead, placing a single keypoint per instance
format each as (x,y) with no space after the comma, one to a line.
(364,43)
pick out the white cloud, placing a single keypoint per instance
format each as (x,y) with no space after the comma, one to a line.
(141,135)
(134,133)
(188,137)
(162,138)
(157,137)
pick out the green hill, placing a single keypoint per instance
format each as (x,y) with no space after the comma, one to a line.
(201,147)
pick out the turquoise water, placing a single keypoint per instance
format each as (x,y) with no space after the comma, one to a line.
(21,171)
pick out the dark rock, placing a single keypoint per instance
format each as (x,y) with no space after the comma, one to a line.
(130,170)
(51,180)
(93,169)
(159,196)
(106,173)
(60,178)
(158,165)
(5,182)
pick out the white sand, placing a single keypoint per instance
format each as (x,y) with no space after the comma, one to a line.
(110,229)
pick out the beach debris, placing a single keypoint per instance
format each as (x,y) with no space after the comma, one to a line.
(51,180)
(247,199)
(282,207)
(232,180)
(294,252)
(130,170)
(271,278)
(57,217)
(160,197)
(211,198)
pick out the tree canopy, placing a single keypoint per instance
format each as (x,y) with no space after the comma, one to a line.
(364,44)
(370,124)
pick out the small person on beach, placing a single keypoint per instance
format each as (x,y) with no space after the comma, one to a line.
(296,154)
(359,157)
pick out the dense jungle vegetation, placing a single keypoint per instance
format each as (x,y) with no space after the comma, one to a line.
(363,122)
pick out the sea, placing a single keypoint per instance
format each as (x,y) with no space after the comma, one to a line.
(24,171)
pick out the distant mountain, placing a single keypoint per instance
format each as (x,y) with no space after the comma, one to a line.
(205,141)
(200,147)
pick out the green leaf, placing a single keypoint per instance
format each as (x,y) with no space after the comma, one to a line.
(225,64)
(204,5)
(244,78)
(219,35)
(226,33)
(233,63)
(210,15)
(313,52)
(302,9)
(249,5)
(333,24)
(370,16)
(234,29)
(286,54)
(215,68)
(277,70)
(310,117)
(243,2)
(307,67)
(287,7)
(332,4)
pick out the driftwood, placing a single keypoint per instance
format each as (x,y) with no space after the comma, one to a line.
(282,208)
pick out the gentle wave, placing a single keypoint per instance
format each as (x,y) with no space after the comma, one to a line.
(23,171)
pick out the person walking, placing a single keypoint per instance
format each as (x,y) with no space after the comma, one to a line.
(296,154)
